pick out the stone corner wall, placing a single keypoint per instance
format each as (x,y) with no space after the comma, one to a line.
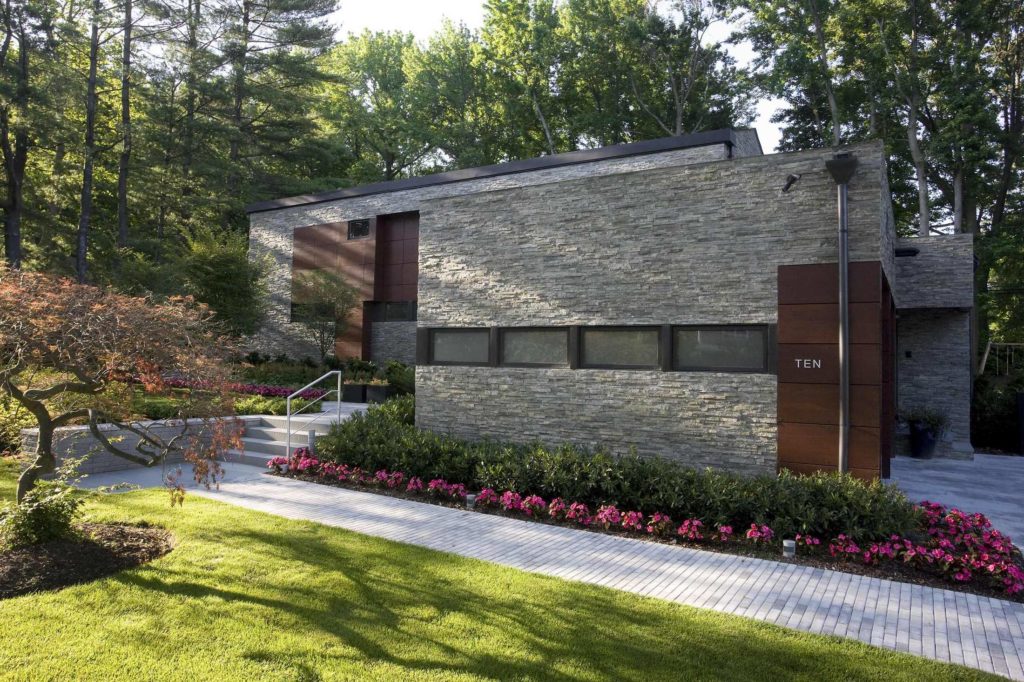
(941,275)
(937,375)
(393,341)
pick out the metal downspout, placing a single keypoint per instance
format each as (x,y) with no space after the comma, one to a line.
(842,167)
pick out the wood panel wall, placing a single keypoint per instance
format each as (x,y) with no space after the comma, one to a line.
(808,369)
(398,240)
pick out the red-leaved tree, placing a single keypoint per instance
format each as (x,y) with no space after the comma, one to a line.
(76,354)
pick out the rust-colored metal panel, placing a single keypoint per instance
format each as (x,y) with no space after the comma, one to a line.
(819,283)
(819,322)
(818,363)
(819,444)
(819,404)
(397,257)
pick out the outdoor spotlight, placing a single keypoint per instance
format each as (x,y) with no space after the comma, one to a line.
(790,181)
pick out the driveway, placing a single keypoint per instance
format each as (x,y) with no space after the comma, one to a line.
(991,484)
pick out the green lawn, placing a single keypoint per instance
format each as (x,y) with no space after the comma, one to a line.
(249,596)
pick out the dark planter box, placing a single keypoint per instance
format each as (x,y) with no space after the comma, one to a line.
(353,393)
(922,440)
(376,393)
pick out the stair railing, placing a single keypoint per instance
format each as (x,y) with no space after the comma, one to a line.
(296,394)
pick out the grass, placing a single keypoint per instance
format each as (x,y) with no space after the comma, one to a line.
(248,596)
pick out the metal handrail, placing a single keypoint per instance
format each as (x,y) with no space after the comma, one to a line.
(288,405)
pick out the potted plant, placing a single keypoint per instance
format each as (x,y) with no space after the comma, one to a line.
(377,390)
(353,392)
(926,427)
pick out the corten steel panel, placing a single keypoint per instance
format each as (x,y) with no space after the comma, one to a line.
(397,257)
(819,323)
(797,363)
(820,283)
(819,444)
(819,404)
(808,368)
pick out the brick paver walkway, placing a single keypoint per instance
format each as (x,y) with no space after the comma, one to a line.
(940,624)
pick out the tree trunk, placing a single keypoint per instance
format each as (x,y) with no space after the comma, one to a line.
(44,463)
(126,128)
(543,123)
(191,100)
(238,103)
(826,72)
(85,214)
(15,153)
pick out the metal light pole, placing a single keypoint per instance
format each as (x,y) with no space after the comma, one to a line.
(842,167)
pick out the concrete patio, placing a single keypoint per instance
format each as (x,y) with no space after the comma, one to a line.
(991,484)
(944,625)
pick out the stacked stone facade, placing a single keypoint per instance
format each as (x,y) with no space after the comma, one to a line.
(694,244)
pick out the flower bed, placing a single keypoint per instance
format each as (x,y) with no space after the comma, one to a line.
(246,389)
(950,545)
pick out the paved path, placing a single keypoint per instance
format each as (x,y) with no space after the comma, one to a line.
(939,624)
(991,484)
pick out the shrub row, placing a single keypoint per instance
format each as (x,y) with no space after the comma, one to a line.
(823,505)
(953,545)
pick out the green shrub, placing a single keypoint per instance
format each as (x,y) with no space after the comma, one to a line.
(823,504)
(994,412)
(47,513)
(13,418)
(257,404)
(294,374)
(401,377)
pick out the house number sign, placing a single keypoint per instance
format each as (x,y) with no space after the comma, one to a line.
(808,363)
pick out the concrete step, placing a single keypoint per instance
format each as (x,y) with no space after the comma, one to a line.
(299,424)
(300,432)
(256,459)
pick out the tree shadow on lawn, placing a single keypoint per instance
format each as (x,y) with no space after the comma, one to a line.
(366,602)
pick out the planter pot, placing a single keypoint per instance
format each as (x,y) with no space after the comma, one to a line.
(376,394)
(922,440)
(353,393)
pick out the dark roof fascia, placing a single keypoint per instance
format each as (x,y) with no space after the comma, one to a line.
(725,136)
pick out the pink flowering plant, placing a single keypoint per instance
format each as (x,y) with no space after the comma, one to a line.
(633,521)
(579,513)
(608,515)
(556,509)
(723,534)
(415,485)
(691,530)
(760,533)
(511,501)
(534,505)
(486,498)
(659,524)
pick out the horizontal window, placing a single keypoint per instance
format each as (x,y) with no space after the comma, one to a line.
(625,347)
(460,346)
(720,348)
(358,229)
(401,311)
(541,347)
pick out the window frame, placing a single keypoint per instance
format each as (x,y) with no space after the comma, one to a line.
(432,333)
(359,221)
(568,347)
(657,366)
(768,346)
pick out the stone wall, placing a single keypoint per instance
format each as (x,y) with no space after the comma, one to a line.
(76,442)
(941,275)
(696,244)
(270,232)
(937,375)
(393,341)
(699,419)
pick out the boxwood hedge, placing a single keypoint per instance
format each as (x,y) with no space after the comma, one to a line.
(824,505)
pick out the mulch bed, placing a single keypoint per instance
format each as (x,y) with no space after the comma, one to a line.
(894,571)
(102,550)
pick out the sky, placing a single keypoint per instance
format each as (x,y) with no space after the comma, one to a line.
(424,17)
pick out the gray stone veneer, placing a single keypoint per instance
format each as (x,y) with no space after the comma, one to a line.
(941,275)
(393,341)
(695,244)
(699,419)
(937,375)
(270,232)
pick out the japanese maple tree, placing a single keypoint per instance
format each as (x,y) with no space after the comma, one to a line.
(76,354)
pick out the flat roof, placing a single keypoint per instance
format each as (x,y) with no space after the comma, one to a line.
(725,136)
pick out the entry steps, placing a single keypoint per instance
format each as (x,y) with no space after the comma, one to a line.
(266,437)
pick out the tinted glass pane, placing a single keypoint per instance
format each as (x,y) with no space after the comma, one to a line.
(620,347)
(460,346)
(720,348)
(535,346)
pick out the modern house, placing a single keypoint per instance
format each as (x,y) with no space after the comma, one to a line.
(677,296)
